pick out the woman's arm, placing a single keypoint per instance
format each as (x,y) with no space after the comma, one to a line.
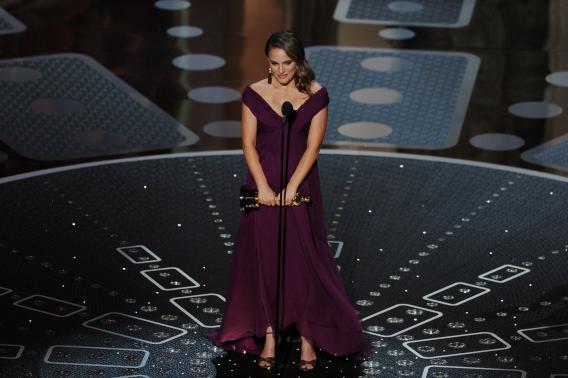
(266,195)
(315,139)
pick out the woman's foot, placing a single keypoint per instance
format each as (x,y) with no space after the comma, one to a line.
(267,356)
(266,362)
(308,356)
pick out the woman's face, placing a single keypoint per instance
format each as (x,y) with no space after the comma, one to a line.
(284,69)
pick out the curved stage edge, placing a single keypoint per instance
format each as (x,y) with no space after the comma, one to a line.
(115,268)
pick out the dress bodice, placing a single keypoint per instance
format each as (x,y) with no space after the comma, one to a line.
(270,118)
(269,131)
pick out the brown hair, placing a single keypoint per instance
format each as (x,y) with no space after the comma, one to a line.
(294,48)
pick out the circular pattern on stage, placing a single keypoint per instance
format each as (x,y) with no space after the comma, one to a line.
(179,211)
(535,109)
(198,62)
(18,74)
(405,6)
(184,31)
(223,129)
(214,95)
(397,33)
(56,106)
(172,5)
(497,142)
(365,130)
(376,96)
(386,64)
(559,78)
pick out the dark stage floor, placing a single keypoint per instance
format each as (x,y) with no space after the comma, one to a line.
(450,263)
(444,172)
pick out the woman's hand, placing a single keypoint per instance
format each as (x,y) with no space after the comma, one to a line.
(266,196)
(290,194)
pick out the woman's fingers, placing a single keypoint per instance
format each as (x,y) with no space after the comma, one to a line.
(267,201)
(291,197)
(275,201)
(285,203)
(287,200)
(266,197)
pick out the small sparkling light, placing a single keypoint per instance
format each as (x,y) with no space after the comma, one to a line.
(73,224)
(145,187)
(490,252)
(551,193)
(123,268)
(506,230)
(179,224)
(370,211)
(424,232)
(402,166)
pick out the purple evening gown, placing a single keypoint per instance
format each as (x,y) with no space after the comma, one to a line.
(314,299)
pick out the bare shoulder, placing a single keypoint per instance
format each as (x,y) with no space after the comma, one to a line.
(315,86)
(260,86)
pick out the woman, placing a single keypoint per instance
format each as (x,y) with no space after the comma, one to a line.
(313,300)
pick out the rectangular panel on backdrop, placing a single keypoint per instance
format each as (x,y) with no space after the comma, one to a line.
(395,98)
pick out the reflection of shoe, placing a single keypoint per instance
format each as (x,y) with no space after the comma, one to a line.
(307,365)
(269,362)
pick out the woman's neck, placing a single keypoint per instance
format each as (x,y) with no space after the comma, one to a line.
(290,86)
